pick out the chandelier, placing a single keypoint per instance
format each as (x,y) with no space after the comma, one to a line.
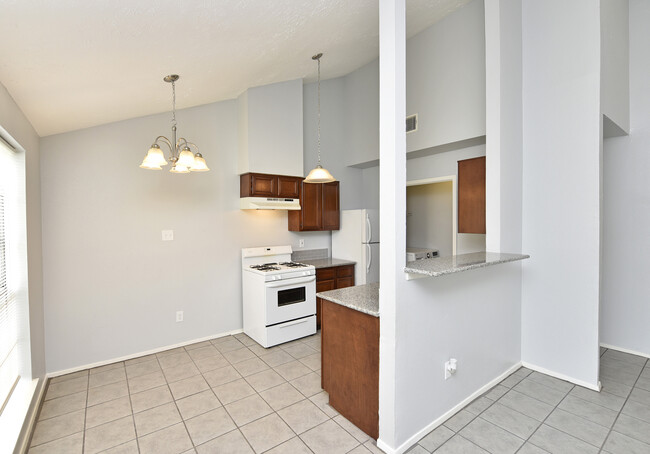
(181,157)
(318,173)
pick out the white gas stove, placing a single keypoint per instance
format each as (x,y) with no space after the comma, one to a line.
(279,296)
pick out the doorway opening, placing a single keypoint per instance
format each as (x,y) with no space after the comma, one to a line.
(431,217)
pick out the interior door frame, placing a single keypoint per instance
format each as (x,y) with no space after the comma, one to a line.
(454,202)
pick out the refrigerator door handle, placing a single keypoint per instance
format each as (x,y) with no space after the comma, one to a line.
(369,249)
(369,229)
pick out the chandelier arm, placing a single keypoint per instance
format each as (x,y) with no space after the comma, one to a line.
(166,141)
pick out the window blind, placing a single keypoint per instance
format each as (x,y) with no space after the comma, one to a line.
(8,303)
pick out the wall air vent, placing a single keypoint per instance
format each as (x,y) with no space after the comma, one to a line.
(412,123)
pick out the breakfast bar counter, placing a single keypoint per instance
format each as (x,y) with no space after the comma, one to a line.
(440,266)
(350,353)
(362,298)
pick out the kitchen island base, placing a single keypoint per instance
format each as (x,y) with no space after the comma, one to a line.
(350,364)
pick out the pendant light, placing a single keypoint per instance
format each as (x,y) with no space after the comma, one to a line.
(318,173)
(182,158)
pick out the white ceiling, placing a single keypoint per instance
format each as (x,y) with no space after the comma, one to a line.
(71,64)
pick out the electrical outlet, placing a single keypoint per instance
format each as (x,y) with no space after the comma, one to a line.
(301,243)
(179,316)
(168,235)
(450,368)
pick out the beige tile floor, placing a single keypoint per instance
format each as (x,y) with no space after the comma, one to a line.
(232,396)
(532,413)
(228,395)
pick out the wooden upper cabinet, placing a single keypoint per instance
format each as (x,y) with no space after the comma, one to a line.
(265,185)
(319,208)
(289,187)
(311,206)
(471,195)
(331,209)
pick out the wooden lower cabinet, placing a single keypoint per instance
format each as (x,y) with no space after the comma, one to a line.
(332,278)
(350,364)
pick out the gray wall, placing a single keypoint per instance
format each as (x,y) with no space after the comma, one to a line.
(112,287)
(561,187)
(445,79)
(625,313)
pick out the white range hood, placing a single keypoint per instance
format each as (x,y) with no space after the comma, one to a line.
(268,203)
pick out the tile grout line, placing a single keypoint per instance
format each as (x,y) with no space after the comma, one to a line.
(542,423)
(216,397)
(602,446)
(276,412)
(174,399)
(83,442)
(128,390)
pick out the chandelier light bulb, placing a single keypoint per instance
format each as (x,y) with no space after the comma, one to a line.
(177,168)
(146,164)
(186,158)
(156,155)
(199,164)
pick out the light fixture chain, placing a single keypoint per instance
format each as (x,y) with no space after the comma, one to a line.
(319,111)
(174,103)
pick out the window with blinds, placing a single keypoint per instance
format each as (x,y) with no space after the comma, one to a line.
(8,310)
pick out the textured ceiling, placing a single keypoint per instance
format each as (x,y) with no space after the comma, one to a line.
(71,64)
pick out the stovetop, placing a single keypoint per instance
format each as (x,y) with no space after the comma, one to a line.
(275,266)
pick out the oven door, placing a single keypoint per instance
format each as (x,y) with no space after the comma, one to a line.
(290,299)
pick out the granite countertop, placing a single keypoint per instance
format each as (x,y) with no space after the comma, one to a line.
(327,262)
(439,266)
(362,298)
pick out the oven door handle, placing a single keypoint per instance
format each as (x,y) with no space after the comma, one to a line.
(291,282)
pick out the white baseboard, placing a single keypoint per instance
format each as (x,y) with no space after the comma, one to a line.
(541,370)
(626,350)
(421,433)
(137,355)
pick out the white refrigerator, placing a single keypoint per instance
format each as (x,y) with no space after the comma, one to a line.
(358,240)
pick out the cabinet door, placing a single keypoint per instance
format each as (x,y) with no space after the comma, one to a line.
(471,195)
(343,282)
(264,185)
(311,211)
(289,187)
(331,212)
(345,271)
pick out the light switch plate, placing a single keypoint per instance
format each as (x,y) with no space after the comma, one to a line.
(168,235)
(301,243)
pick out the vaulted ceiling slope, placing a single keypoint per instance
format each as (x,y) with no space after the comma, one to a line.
(72,64)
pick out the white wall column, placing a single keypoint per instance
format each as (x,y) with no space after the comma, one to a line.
(561,188)
(503,59)
(392,174)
